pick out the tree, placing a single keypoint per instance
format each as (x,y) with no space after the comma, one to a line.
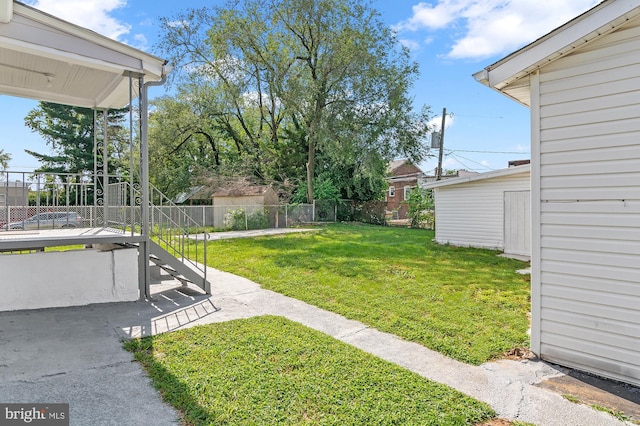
(4,159)
(327,75)
(69,133)
(181,144)
(421,205)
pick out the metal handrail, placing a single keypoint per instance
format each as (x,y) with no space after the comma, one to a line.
(164,230)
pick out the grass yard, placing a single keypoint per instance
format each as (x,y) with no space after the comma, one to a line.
(466,303)
(269,370)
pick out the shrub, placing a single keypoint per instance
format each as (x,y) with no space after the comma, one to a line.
(239,219)
(420,211)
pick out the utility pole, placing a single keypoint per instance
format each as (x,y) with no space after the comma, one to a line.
(439,173)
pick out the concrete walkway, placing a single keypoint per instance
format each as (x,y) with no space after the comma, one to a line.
(74,355)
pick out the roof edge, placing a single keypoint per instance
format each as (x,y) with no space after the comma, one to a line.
(601,19)
(154,64)
(482,176)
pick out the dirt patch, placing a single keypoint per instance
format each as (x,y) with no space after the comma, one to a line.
(576,386)
(496,422)
(520,354)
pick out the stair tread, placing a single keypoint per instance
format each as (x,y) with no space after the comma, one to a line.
(168,267)
(176,268)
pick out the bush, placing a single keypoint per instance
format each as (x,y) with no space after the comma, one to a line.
(323,189)
(421,206)
(372,212)
(239,219)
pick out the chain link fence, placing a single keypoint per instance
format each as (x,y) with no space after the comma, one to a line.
(119,212)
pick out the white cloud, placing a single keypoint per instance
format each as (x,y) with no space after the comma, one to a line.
(92,14)
(410,44)
(452,164)
(436,122)
(484,28)
(140,41)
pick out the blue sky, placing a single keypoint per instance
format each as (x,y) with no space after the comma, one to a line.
(450,39)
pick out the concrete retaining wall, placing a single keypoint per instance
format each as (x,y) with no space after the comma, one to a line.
(71,278)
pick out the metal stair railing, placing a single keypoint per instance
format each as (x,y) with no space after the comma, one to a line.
(174,234)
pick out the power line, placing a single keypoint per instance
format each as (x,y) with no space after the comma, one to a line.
(457,158)
(491,152)
(479,116)
(463,165)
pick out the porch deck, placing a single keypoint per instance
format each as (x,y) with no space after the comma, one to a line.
(39,239)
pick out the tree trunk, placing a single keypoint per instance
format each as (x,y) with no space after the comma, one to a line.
(310,170)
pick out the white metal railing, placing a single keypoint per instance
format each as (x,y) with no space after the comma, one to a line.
(178,236)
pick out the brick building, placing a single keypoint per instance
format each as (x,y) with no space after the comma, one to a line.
(402,177)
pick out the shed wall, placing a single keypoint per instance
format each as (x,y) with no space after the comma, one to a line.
(589,181)
(472,213)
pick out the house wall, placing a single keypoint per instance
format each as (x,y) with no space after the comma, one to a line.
(71,278)
(472,213)
(397,201)
(404,175)
(406,169)
(586,281)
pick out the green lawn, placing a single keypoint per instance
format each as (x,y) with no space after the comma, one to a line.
(466,303)
(269,370)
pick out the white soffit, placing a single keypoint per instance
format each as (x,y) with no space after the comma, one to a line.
(45,58)
(510,74)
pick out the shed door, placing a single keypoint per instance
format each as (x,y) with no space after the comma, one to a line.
(517,222)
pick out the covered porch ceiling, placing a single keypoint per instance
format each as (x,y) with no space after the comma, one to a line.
(45,58)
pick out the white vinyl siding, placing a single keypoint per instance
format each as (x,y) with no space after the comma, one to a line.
(589,207)
(517,222)
(472,213)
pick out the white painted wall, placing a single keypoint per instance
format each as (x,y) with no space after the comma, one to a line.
(586,108)
(72,278)
(472,213)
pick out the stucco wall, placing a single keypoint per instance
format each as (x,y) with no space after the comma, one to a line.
(72,278)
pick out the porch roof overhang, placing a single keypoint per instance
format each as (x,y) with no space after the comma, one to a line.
(510,75)
(45,58)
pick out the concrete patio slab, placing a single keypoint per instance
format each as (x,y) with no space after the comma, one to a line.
(75,355)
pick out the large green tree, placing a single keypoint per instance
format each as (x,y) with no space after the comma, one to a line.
(324,75)
(182,144)
(68,131)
